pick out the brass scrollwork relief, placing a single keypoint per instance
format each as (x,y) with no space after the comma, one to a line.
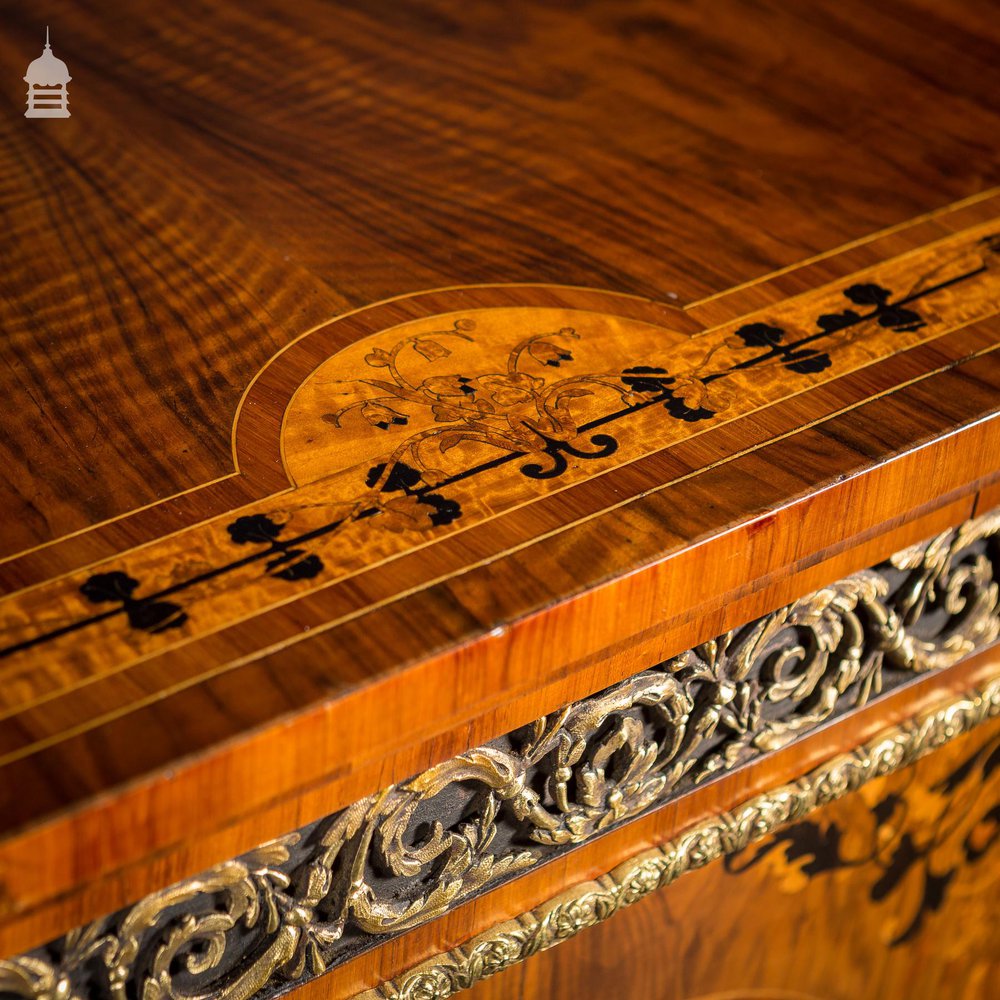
(402,857)
(591,903)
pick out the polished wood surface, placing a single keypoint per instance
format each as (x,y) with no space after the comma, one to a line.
(232,176)
(128,871)
(187,287)
(941,423)
(405,475)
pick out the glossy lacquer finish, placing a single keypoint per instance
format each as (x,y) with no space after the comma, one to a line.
(381,377)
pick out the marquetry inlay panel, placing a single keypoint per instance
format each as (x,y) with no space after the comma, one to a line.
(425,430)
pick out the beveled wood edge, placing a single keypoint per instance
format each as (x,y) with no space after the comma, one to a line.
(722,306)
(592,902)
(240,832)
(881,640)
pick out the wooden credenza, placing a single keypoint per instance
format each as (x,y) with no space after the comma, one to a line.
(501,499)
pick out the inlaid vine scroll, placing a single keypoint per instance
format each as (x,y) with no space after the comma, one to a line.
(426,429)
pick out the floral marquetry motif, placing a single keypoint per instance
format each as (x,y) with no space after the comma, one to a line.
(457,397)
(912,839)
(437,426)
(402,857)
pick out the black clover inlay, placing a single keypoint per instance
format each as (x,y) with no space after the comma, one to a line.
(287,562)
(402,478)
(760,335)
(644,378)
(146,614)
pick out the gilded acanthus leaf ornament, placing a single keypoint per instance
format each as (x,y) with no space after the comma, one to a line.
(723,836)
(405,855)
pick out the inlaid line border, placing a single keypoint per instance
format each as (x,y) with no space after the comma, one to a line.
(242,661)
(914,222)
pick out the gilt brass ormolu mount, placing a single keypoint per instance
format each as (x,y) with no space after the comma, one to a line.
(397,859)
(730,836)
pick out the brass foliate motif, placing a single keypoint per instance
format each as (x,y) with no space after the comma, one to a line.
(725,835)
(397,859)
